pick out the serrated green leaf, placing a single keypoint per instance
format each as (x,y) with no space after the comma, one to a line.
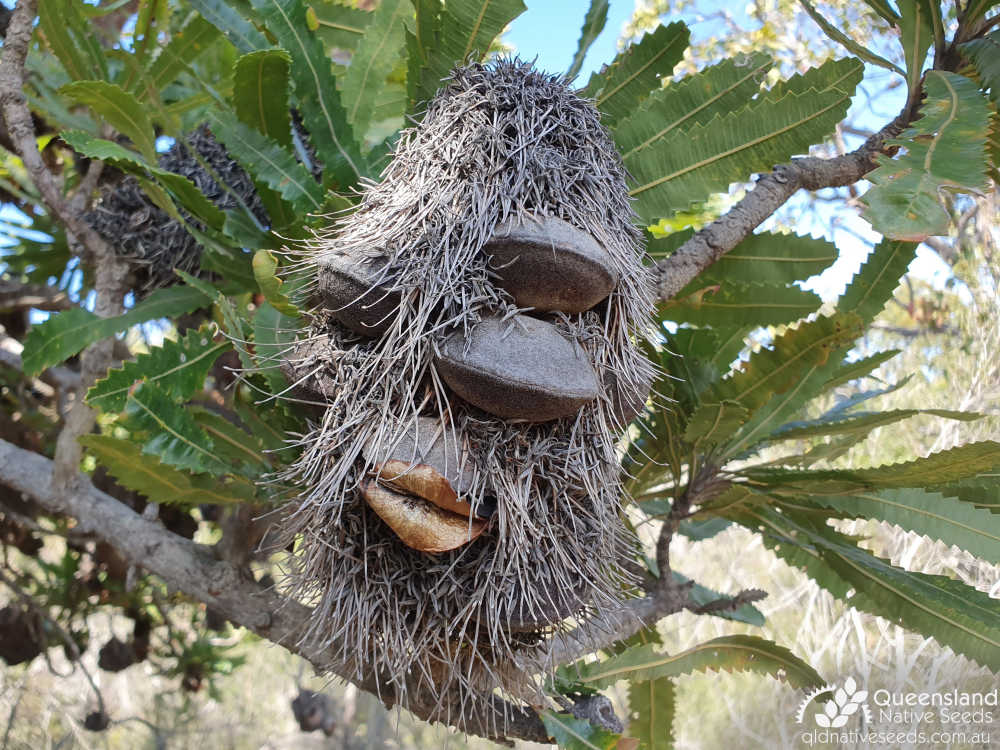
(713,423)
(232,24)
(70,38)
(871,289)
(267,160)
(691,163)
(180,187)
(118,108)
(234,445)
(260,93)
(932,514)
(318,98)
(731,653)
(69,332)
(274,333)
(916,35)
(936,469)
(420,46)
(637,71)
(841,38)
(265,267)
(652,704)
(984,54)
(749,304)
(859,424)
(159,482)
(944,150)
(374,58)
(700,595)
(771,258)
(194,37)
(593,25)
(955,615)
(777,369)
(171,432)
(467,28)
(338,26)
(178,367)
(982,490)
(860,368)
(694,100)
(571,733)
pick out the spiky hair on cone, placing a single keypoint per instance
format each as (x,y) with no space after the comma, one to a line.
(502,145)
(148,236)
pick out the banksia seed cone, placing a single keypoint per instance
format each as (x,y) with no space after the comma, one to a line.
(154,242)
(508,195)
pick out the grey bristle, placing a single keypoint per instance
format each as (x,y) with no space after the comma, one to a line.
(498,140)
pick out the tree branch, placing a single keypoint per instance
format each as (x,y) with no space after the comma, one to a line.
(21,129)
(770,193)
(192,569)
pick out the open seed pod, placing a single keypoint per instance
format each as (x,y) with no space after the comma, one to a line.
(548,264)
(419,522)
(526,408)
(426,462)
(521,368)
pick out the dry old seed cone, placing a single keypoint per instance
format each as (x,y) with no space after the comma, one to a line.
(497,144)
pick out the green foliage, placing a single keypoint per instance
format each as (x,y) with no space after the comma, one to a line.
(271,163)
(338,26)
(375,56)
(756,303)
(944,150)
(260,93)
(771,258)
(916,34)
(734,653)
(119,108)
(160,482)
(68,333)
(243,35)
(571,733)
(593,25)
(265,267)
(316,90)
(172,434)
(72,40)
(694,162)
(179,368)
(637,71)
(984,54)
(653,702)
(190,41)
(694,100)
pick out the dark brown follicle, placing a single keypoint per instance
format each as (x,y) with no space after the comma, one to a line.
(350,292)
(521,368)
(548,264)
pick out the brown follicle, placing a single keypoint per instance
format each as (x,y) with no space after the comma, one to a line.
(549,265)
(419,523)
(423,481)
